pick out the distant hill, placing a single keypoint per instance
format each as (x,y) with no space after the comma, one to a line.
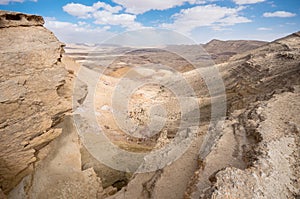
(215,51)
(221,51)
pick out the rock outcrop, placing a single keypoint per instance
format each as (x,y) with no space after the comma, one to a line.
(41,155)
(275,171)
(60,173)
(12,19)
(33,100)
(256,154)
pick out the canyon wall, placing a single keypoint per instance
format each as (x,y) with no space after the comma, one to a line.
(34,97)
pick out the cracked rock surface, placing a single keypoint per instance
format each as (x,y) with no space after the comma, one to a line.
(274,171)
(31,103)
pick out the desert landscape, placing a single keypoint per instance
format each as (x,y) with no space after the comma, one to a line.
(215,120)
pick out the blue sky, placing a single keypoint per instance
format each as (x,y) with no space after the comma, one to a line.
(79,21)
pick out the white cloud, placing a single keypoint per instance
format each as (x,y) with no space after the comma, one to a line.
(282,14)
(264,29)
(79,10)
(232,20)
(112,9)
(209,15)
(5,2)
(125,20)
(77,33)
(83,11)
(142,6)
(103,14)
(242,2)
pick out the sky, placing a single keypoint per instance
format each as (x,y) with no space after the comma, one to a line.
(86,21)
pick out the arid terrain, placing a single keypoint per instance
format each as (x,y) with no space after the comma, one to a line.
(68,110)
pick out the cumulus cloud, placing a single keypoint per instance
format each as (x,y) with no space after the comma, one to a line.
(210,15)
(83,11)
(139,7)
(103,14)
(282,14)
(242,2)
(125,20)
(112,9)
(79,10)
(80,32)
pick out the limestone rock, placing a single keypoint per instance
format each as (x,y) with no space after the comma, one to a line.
(31,103)
(275,173)
(2,195)
(11,19)
(60,174)
(250,79)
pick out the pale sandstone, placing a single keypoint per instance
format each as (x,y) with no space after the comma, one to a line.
(31,105)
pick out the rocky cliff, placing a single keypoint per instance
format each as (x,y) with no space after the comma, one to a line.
(256,154)
(33,100)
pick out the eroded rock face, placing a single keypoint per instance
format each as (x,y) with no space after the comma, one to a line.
(13,19)
(258,74)
(275,172)
(256,154)
(60,173)
(32,101)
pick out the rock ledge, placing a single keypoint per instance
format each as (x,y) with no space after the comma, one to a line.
(13,19)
